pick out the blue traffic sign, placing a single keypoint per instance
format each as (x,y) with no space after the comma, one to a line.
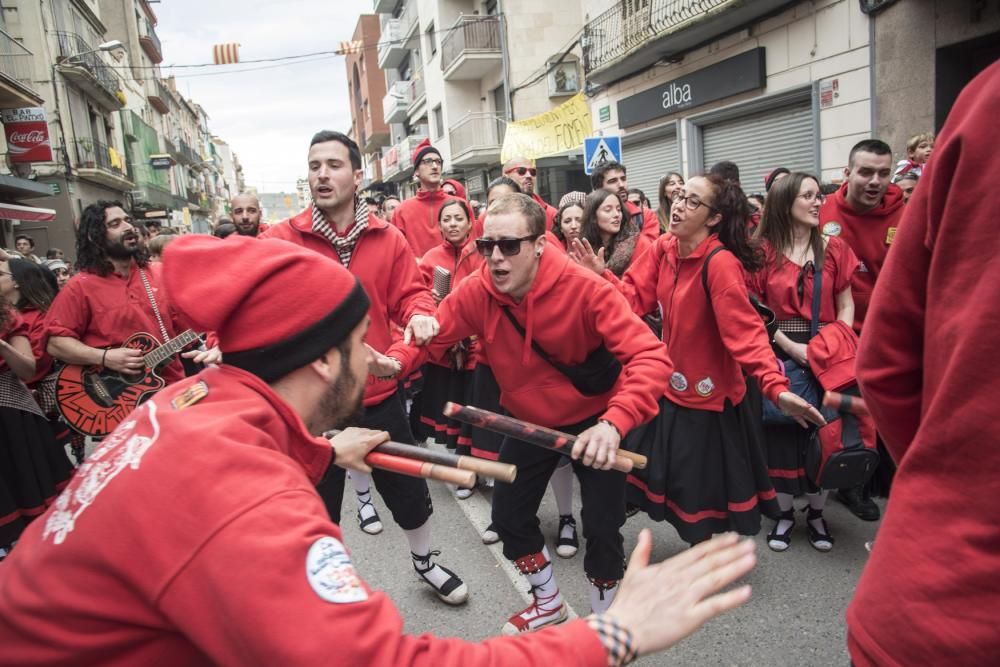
(598,150)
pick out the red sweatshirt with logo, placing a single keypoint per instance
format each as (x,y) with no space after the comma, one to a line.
(869,235)
(569,311)
(417,218)
(387,269)
(225,555)
(930,592)
(713,339)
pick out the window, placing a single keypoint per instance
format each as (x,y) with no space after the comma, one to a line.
(432,46)
(438,123)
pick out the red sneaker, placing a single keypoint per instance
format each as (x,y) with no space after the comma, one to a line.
(535,618)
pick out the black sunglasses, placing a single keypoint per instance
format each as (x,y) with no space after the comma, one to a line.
(508,247)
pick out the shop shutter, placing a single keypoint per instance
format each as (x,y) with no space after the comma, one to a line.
(759,142)
(648,161)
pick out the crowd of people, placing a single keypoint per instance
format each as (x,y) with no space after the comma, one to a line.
(628,327)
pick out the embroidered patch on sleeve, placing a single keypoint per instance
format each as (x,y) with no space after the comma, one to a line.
(191,395)
(331,573)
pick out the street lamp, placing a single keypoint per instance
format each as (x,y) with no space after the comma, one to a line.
(106,46)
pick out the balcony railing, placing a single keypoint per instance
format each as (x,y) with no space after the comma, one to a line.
(396,101)
(470,35)
(418,87)
(408,19)
(476,137)
(185,153)
(194,197)
(150,42)
(92,154)
(73,50)
(15,60)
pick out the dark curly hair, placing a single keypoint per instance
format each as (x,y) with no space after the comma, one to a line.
(91,240)
(729,202)
(557,221)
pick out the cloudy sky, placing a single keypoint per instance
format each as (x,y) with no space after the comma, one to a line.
(268,115)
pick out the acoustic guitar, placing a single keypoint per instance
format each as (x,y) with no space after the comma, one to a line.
(93,400)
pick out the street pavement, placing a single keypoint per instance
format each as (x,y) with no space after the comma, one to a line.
(795,617)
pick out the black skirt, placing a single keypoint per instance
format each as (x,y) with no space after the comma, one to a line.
(34,468)
(706,472)
(442,385)
(485,394)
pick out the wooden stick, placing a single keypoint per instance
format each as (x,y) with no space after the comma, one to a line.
(503,472)
(532,434)
(845,403)
(414,468)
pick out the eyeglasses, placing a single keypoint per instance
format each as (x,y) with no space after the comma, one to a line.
(691,202)
(814,196)
(521,171)
(508,247)
(432,162)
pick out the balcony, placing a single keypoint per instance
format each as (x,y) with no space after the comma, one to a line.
(78,62)
(149,42)
(194,198)
(15,75)
(101,164)
(383,6)
(629,38)
(169,147)
(158,95)
(185,155)
(472,49)
(408,23)
(395,104)
(418,91)
(476,139)
(391,52)
(397,161)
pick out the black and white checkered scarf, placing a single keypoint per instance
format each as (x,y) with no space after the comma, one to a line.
(343,244)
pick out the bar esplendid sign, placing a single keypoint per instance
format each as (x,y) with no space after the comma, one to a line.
(746,71)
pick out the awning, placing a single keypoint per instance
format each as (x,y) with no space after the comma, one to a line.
(28,213)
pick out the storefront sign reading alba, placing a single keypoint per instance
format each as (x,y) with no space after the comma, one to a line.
(729,77)
(27,134)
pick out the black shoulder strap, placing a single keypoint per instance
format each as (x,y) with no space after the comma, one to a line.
(704,270)
(817,295)
(534,346)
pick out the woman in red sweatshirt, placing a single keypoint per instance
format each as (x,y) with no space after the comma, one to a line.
(606,231)
(796,249)
(706,471)
(569,221)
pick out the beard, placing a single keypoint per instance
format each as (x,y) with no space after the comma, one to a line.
(341,405)
(248,231)
(118,249)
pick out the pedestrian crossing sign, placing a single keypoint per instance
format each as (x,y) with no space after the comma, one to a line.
(598,150)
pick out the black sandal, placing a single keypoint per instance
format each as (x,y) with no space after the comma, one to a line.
(781,541)
(453,591)
(373,524)
(821,541)
(566,547)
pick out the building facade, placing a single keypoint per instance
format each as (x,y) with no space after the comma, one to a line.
(366,86)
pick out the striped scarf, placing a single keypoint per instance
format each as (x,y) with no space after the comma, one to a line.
(343,244)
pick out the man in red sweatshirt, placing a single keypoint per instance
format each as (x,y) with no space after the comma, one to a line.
(612,176)
(523,171)
(226,556)
(531,308)
(930,594)
(339,225)
(865,212)
(417,216)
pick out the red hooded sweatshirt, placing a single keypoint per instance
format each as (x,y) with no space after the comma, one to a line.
(387,269)
(869,235)
(930,593)
(225,555)
(460,262)
(650,227)
(417,219)
(714,339)
(568,311)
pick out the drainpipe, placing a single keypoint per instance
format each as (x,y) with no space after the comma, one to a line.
(506,66)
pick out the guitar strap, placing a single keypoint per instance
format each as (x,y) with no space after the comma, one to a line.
(152,302)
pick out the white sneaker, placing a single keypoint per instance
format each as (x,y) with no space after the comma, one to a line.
(490,535)
(463,493)
(535,618)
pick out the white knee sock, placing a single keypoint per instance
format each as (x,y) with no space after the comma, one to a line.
(817,501)
(562,487)
(601,599)
(362,489)
(544,587)
(420,552)
(785,504)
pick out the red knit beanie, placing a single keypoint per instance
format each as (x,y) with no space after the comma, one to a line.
(275,306)
(423,149)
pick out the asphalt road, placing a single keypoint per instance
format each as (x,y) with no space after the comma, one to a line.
(796,615)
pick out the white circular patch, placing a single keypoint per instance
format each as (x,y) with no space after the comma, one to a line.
(678,381)
(331,574)
(705,387)
(832,229)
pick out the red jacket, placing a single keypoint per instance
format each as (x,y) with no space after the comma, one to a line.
(387,269)
(35,319)
(869,235)
(16,326)
(711,340)
(461,262)
(225,556)
(832,356)
(103,311)
(568,311)
(417,218)
(550,211)
(650,226)
(930,593)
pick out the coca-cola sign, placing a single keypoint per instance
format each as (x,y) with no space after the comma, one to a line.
(27,134)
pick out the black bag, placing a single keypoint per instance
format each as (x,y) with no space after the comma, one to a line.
(766,314)
(595,375)
(842,454)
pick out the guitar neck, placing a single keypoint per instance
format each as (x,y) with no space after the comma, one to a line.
(169,349)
